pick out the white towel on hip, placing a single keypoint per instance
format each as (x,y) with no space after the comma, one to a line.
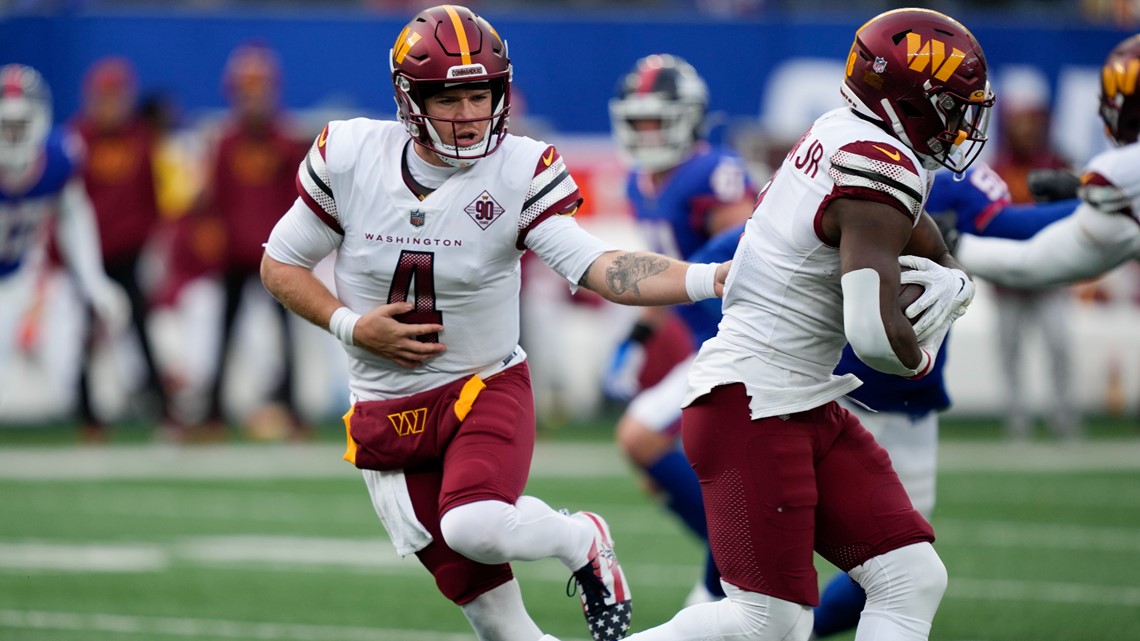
(393,503)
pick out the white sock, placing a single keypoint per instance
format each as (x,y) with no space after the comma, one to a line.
(904,588)
(495,532)
(740,615)
(499,615)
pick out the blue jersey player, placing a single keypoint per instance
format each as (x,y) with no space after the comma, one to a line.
(683,192)
(38,180)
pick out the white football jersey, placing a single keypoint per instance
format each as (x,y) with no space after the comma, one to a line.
(454,253)
(1111,181)
(782,331)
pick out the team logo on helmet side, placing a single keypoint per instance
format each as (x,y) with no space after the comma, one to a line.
(404,44)
(1119,98)
(1120,77)
(932,52)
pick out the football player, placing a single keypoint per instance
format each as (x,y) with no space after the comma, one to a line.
(40,178)
(902,414)
(683,191)
(429,217)
(1103,232)
(783,468)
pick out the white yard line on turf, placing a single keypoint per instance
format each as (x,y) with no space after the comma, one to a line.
(198,628)
(960,588)
(378,557)
(552,460)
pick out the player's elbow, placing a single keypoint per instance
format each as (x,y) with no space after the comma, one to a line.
(870,338)
(871,344)
(273,274)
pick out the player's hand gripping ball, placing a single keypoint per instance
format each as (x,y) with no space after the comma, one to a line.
(908,293)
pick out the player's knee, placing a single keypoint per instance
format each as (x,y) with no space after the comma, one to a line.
(910,580)
(475,530)
(760,616)
(930,577)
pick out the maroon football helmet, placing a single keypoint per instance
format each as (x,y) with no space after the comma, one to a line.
(924,76)
(1119,98)
(444,47)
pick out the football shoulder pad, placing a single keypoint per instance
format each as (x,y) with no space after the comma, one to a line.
(314,184)
(879,171)
(552,190)
(1100,193)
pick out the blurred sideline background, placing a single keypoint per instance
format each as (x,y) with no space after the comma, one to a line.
(771,66)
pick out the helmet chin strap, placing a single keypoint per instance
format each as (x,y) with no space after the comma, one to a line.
(455,149)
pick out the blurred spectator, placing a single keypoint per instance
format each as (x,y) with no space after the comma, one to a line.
(250,185)
(120,181)
(1024,146)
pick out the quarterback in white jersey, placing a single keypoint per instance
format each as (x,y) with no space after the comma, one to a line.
(1104,231)
(39,180)
(784,469)
(429,218)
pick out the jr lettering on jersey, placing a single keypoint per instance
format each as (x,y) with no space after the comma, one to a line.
(809,160)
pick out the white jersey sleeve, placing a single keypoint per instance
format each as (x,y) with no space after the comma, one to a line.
(1111,182)
(314,183)
(565,247)
(879,171)
(300,238)
(552,192)
(1102,233)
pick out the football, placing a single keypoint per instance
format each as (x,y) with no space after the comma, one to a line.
(908,293)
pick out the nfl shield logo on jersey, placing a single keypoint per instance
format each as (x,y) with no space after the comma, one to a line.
(484,210)
(417,218)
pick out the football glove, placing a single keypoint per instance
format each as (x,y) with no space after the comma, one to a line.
(1051,185)
(621,379)
(947,294)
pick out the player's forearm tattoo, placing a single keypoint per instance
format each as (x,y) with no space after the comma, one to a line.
(628,270)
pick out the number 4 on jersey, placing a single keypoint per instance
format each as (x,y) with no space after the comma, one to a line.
(418,267)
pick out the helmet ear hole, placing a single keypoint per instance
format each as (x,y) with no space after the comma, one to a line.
(908,109)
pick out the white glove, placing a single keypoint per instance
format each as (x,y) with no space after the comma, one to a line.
(112,307)
(947,293)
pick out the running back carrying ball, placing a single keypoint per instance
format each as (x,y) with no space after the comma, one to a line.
(908,293)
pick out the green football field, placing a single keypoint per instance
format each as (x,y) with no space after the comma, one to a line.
(134,541)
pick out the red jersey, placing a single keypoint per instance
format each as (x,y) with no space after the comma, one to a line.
(254,177)
(119,174)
